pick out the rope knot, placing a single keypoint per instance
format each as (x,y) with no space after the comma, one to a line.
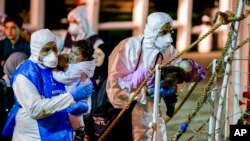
(225,17)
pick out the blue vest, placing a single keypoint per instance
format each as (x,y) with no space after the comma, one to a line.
(55,127)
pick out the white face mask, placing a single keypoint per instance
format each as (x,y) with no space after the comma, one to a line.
(73,29)
(163,42)
(50,60)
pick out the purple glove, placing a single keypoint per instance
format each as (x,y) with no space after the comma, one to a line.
(135,78)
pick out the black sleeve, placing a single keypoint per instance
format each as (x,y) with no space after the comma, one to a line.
(170,101)
(1,50)
(68,41)
(2,104)
(1,58)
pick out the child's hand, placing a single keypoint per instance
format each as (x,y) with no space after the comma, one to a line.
(62,62)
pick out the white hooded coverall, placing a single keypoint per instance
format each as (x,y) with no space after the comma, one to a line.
(123,61)
(85,30)
(34,106)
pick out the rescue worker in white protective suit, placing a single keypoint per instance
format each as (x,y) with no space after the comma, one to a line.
(79,28)
(130,63)
(43,105)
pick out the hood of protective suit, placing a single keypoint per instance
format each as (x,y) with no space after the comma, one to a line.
(152,42)
(80,14)
(155,22)
(59,43)
(38,40)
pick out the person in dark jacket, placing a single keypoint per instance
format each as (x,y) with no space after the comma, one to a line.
(100,75)
(100,101)
(13,42)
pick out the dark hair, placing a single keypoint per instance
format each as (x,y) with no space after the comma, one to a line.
(102,71)
(17,19)
(86,48)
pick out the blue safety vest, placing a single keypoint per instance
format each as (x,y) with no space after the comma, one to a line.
(55,127)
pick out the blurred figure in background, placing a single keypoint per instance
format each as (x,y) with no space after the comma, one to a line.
(99,98)
(102,53)
(79,28)
(13,42)
(2,17)
(26,34)
(7,94)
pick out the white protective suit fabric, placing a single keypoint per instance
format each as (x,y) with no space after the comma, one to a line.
(82,71)
(152,40)
(34,106)
(59,43)
(85,31)
(125,59)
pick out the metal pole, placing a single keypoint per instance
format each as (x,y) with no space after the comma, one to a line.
(211,119)
(227,74)
(156,99)
(237,88)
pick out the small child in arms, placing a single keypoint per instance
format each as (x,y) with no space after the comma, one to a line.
(80,69)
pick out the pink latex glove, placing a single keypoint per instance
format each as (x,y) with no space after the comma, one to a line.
(135,78)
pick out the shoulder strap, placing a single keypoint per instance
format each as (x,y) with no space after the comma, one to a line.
(139,56)
(157,58)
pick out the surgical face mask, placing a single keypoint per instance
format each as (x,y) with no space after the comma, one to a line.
(73,29)
(163,42)
(50,60)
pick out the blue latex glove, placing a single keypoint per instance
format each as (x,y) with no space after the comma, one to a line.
(82,92)
(163,92)
(78,108)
